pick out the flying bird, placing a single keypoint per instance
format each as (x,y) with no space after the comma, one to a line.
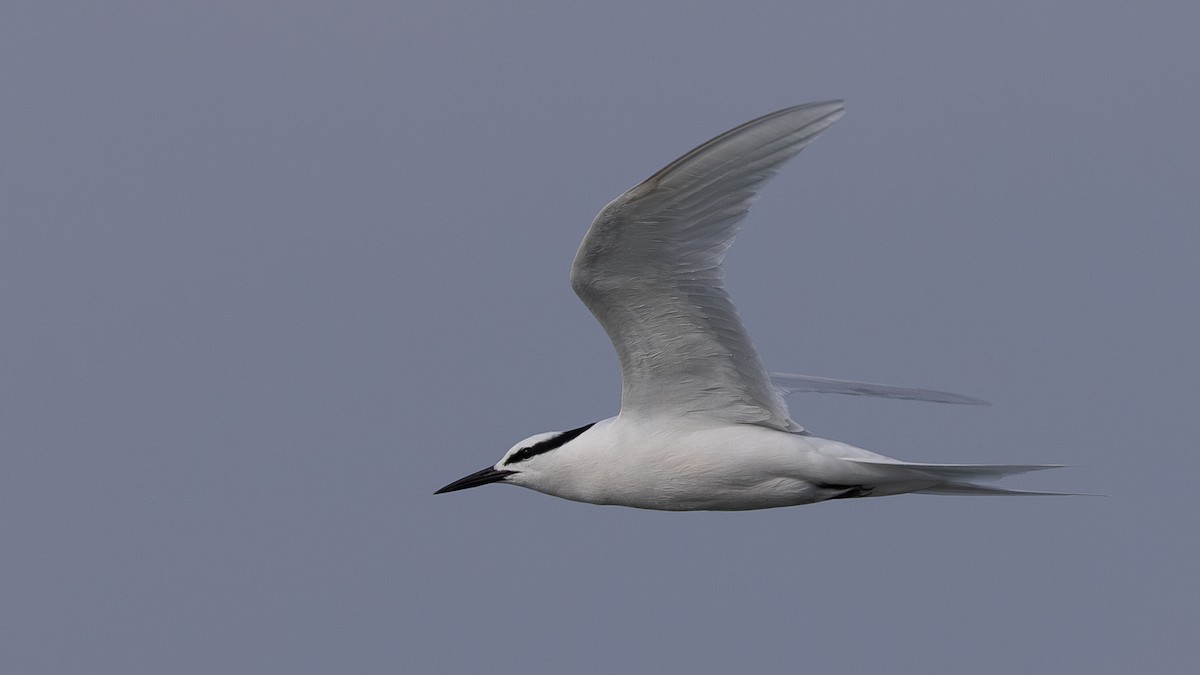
(702,424)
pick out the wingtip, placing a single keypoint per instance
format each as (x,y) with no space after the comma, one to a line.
(832,110)
(789,383)
(959,399)
(831,103)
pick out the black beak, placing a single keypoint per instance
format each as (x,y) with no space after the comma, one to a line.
(488,475)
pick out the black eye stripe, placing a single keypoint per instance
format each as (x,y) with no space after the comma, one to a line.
(546,445)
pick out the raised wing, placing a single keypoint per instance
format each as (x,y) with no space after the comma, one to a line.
(649,269)
(788,383)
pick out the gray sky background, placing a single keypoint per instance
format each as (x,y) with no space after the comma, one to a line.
(271,273)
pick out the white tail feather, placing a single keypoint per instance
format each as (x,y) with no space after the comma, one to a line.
(957,488)
(954,471)
(951,479)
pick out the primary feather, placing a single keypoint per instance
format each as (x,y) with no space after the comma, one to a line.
(649,269)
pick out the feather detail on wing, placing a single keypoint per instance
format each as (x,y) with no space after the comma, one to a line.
(787,383)
(649,269)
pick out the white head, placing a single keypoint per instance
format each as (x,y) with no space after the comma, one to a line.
(528,463)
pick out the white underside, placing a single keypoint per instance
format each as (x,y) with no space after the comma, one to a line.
(650,464)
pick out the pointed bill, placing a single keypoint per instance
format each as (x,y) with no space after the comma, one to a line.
(482,477)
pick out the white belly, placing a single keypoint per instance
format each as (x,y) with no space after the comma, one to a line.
(709,468)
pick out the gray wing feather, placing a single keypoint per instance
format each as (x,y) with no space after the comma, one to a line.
(649,269)
(787,383)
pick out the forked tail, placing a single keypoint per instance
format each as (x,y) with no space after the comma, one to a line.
(961,488)
(955,479)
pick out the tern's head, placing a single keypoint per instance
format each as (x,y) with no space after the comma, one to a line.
(527,463)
